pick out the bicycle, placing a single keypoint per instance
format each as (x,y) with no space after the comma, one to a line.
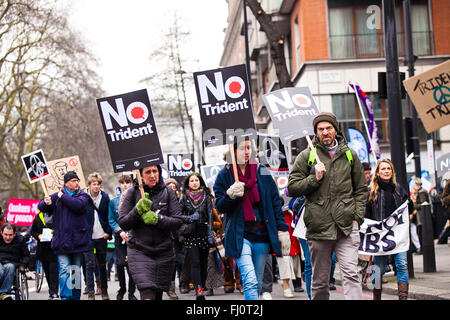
(39,276)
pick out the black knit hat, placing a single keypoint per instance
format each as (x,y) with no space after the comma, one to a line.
(70,175)
(325,116)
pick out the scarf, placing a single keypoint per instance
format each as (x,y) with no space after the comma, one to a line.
(70,193)
(251,194)
(196,196)
(389,204)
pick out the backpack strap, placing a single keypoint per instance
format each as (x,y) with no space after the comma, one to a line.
(349,155)
(312,158)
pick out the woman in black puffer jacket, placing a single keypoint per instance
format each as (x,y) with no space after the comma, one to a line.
(150,223)
(196,206)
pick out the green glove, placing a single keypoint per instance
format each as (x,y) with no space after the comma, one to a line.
(150,217)
(144,204)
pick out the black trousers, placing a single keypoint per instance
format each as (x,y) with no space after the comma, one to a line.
(100,247)
(121,265)
(199,265)
(52,276)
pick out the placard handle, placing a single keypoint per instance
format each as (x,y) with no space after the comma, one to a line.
(236,177)
(312,149)
(141,187)
(44,188)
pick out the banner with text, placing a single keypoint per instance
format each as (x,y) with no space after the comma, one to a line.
(443,164)
(292,111)
(180,166)
(21,212)
(386,237)
(225,105)
(130,131)
(430,94)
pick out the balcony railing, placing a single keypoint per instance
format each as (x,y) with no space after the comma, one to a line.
(371,45)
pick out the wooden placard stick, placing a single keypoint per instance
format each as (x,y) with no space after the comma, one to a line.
(236,177)
(312,149)
(141,187)
(44,187)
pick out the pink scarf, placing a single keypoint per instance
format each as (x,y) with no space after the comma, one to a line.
(251,194)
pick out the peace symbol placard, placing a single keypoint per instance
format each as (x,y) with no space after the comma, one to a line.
(35,166)
(430,94)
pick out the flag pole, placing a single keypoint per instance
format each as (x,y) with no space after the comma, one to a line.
(365,123)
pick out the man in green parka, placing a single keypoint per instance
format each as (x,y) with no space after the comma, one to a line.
(335,189)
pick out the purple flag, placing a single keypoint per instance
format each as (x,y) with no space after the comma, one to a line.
(373,130)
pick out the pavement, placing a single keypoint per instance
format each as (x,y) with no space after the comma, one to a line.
(424,285)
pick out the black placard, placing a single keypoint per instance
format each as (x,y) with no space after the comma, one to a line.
(225,105)
(130,131)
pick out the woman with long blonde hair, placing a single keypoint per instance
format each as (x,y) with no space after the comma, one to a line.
(385,196)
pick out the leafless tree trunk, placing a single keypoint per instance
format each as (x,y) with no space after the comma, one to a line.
(276,41)
(45,80)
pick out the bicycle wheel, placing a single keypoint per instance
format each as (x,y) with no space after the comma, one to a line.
(23,284)
(39,277)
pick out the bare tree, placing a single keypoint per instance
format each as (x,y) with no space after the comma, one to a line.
(46,78)
(276,41)
(169,82)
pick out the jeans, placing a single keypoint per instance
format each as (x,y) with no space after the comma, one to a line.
(251,266)
(7,274)
(308,266)
(70,276)
(379,268)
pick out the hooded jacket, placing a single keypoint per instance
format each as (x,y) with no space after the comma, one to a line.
(337,199)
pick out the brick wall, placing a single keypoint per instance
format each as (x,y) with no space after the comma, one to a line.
(441,26)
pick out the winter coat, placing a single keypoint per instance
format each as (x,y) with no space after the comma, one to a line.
(15,252)
(375,210)
(151,257)
(295,244)
(422,196)
(44,250)
(202,226)
(337,199)
(113,214)
(102,214)
(71,232)
(269,206)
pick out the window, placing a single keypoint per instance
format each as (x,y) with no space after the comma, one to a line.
(351,36)
(346,109)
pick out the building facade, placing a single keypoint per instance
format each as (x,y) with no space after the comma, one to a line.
(333,42)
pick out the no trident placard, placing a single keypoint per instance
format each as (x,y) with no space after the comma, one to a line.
(292,111)
(225,105)
(130,131)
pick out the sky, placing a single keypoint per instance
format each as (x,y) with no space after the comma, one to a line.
(122,35)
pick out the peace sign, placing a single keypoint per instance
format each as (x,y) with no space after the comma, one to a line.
(442,95)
